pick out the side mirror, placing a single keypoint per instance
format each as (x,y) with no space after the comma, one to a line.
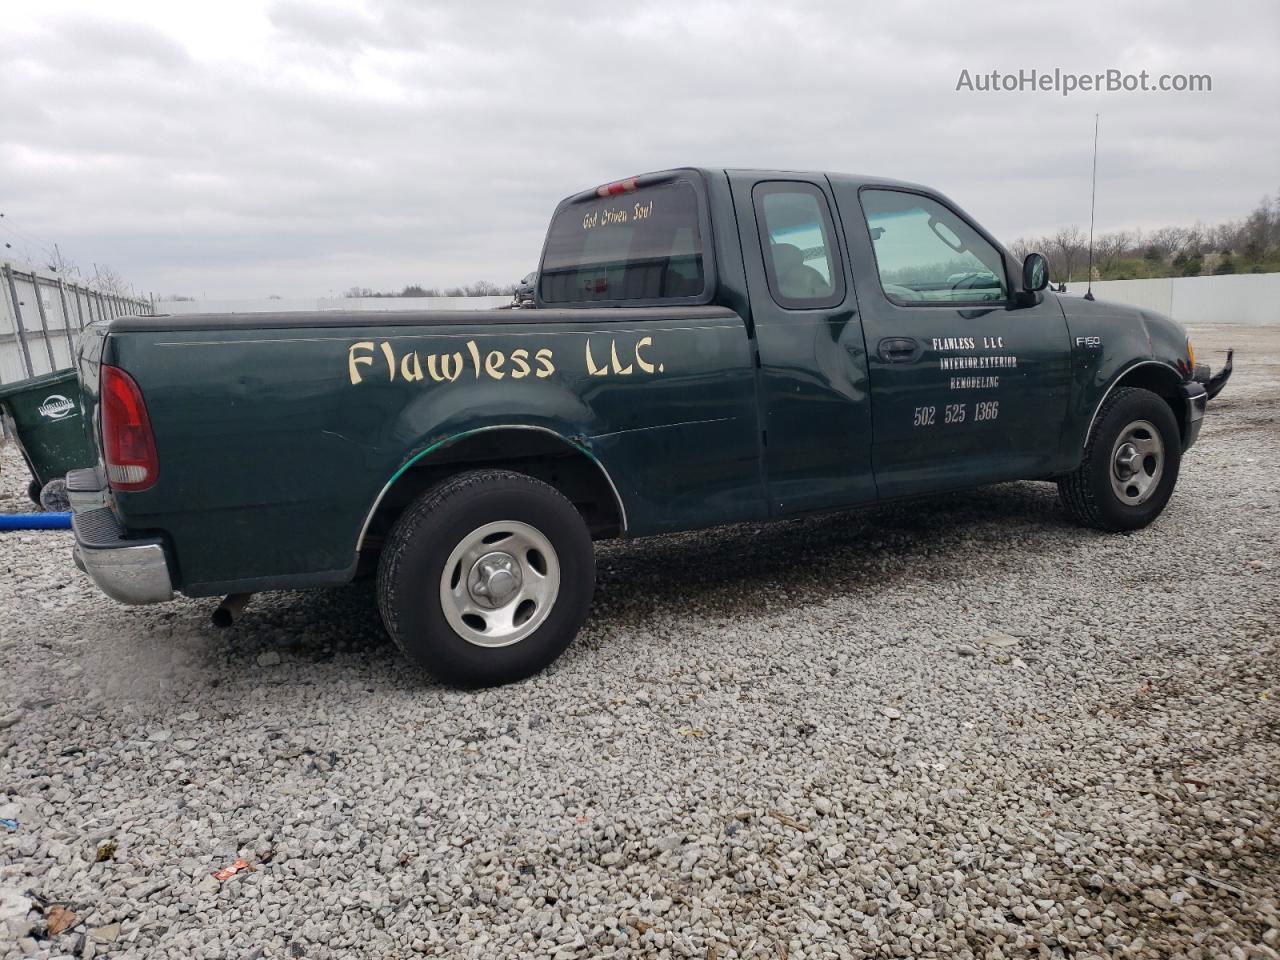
(1035,273)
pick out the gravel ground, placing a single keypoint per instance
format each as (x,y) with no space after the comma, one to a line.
(960,728)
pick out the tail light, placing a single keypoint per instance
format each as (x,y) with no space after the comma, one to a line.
(621,186)
(127,440)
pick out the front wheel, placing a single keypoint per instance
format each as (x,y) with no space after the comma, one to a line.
(486,578)
(1130,463)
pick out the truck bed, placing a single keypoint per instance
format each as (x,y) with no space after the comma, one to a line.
(288,430)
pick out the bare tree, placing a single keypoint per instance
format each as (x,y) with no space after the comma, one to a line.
(1261,229)
(1254,242)
(108,281)
(1021,247)
(63,265)
(1065,249)
(1110,248)
(1168,241)
(1226,236)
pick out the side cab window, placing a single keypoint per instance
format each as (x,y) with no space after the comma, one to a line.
(801,260)
(926,253)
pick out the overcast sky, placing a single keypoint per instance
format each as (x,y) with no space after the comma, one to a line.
(298,148)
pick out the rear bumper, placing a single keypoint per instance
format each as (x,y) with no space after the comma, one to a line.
(130,571)
(86,489)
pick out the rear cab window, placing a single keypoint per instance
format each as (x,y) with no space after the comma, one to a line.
(638,241)
(800,256)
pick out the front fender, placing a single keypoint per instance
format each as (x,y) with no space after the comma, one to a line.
(1113,344)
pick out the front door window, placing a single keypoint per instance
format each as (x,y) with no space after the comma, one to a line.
(925,253)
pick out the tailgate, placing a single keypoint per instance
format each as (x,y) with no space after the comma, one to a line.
(93,343)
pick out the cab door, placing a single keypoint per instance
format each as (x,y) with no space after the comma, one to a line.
(968,386)
(811,377)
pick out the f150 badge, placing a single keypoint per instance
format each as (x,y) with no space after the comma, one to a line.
(1089,343)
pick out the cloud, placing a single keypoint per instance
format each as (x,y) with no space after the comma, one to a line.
(296,148)
(310,24)
(110,41)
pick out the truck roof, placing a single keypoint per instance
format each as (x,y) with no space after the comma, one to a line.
(851,179)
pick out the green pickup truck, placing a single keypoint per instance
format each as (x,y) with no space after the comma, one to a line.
(708,347)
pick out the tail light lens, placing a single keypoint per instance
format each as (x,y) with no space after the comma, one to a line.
(620,186)
(127,440)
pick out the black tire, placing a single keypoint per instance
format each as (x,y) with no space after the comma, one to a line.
(1088,494)
(412,564)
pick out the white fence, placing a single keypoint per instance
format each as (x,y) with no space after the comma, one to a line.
(41,318)
(1249,298)
(331,303)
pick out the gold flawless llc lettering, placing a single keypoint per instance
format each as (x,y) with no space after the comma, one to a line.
(367,359)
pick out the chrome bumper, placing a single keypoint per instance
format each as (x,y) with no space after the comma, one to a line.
(131,575)
(86,489)
(1204,386)
(130,571)
(1197,400)
(1214,383)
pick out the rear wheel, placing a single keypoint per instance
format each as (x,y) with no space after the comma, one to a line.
(486,578)
(1130,463)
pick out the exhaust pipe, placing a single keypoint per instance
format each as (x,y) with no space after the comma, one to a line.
(230,608)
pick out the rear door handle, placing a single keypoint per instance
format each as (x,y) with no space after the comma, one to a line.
(898,350)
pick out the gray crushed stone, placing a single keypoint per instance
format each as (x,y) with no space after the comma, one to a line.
(955,728)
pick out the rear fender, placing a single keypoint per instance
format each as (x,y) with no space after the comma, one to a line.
(521,447)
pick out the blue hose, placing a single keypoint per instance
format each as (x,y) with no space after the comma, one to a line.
(35,521)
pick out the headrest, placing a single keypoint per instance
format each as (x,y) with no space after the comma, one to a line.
(787,257)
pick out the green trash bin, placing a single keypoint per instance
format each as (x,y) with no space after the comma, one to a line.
(44,417)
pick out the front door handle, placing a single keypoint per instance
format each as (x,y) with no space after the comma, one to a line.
(898,350)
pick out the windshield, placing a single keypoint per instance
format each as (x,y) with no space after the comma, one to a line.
(644,244)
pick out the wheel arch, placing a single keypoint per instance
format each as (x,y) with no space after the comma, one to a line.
(1154,375)
(537,451)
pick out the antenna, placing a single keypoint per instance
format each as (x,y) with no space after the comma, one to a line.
(1093,206)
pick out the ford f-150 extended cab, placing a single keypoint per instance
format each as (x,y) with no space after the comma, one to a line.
(710,346)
